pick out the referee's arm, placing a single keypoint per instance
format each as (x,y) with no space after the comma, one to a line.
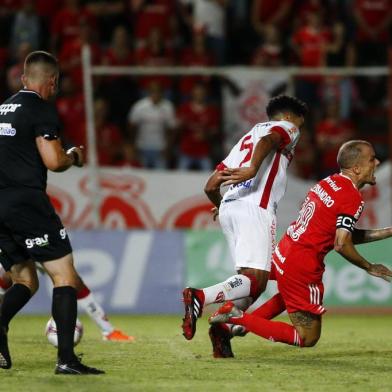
(55,158)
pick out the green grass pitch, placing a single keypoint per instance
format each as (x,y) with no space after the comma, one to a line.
(354,354)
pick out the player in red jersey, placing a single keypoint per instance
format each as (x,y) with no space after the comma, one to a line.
(257,169)
(326,221)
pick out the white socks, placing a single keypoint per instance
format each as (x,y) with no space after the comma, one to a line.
(96,313)
(237,286)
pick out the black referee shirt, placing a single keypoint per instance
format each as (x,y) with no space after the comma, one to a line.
(23,117)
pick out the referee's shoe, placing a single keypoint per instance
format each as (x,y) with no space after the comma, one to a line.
(75,367)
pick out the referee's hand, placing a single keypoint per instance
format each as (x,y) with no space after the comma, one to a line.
(78,155)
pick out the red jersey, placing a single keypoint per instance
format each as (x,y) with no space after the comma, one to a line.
(312,45)
(199,123)
(332,203)
(154,15)
(270,8)
(374,13)
(66,23)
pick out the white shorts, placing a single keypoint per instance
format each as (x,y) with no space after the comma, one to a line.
(250,232)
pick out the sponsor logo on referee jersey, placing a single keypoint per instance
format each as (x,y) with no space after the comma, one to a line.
(6,129)
(37,241)
(9,107)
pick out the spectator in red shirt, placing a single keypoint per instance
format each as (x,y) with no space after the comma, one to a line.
(198,126)
(119,52)
(109,136)
(155,54)
(270,12)
(70,57)
(70,107)
(331,133)
(66,23)
(373,22)
(153,14)
(270,52)
(195,55)
(311,44)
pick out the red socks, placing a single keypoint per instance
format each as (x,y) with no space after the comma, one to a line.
(5,284)
(83,292)
(270,309)
(275,331)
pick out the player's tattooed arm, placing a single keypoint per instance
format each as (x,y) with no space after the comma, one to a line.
(361,236)
(304,319)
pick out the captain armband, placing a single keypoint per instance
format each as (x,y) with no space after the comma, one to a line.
(346,222)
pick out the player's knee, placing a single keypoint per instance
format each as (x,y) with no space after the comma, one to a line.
(310,341)
(31,284)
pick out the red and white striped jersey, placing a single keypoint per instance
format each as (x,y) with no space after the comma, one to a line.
(268,186)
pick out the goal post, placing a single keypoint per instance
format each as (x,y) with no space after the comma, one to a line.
(90,70)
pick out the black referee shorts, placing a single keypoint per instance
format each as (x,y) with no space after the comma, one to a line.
(29,228)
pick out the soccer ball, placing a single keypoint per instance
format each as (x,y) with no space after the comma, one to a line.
(51,332)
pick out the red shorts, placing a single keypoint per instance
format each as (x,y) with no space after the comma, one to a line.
(300,292)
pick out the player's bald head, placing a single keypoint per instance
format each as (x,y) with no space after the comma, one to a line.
(40,65)
(350,153)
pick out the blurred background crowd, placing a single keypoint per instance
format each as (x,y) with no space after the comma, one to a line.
(177,122)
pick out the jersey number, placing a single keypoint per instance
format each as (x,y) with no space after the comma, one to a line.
(246,145)
(299,227)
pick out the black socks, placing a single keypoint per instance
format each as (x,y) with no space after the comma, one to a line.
(14,299)
(64,312)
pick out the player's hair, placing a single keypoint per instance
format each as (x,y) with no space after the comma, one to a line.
(350,153)
(41,57)
(286,103)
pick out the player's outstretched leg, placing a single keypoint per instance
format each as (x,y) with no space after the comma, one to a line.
(225,313)
(87,301)
(193,304)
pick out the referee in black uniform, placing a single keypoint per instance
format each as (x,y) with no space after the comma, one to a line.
(30,230)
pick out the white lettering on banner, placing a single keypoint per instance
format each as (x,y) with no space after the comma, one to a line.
(380,290)
(351,284)
(131,270)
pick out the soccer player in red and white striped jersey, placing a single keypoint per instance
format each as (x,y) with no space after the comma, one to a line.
(326,221)
(255,170)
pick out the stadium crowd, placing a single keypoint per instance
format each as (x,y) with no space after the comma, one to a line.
(176,122)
